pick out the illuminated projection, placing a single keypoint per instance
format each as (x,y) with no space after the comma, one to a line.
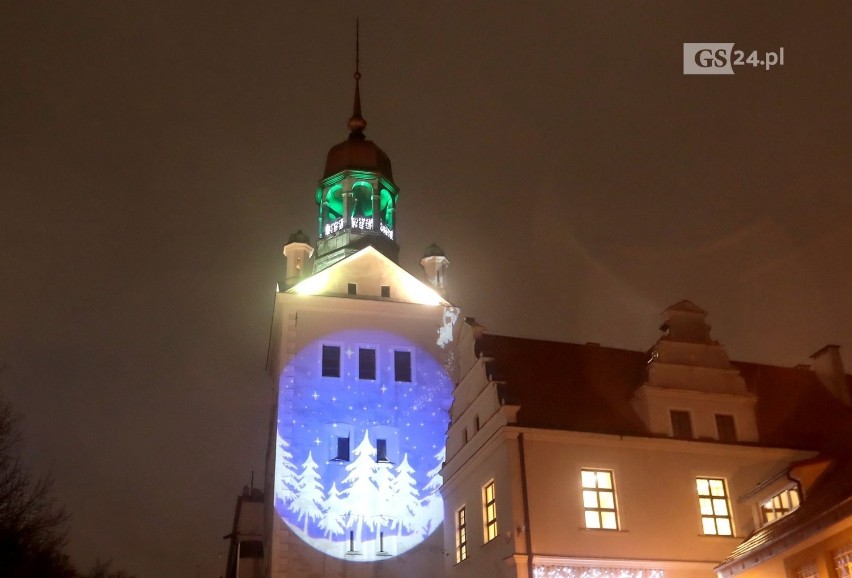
(363,416)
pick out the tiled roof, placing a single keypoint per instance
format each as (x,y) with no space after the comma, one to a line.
(827,502)
(588,387)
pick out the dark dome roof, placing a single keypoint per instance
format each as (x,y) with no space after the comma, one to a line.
(434,250)
(357,152)
(299,237)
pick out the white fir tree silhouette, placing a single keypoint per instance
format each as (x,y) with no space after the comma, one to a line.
(383,478)
(434,474)
(433,504)
(406,497)
(362,495)
(334,519)
(309,498)
(286,472)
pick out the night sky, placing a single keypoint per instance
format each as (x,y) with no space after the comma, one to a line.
(155,156)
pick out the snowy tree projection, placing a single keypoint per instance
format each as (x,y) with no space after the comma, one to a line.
(359,452)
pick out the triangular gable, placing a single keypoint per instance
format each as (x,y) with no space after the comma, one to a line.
(369,270)
(687,307)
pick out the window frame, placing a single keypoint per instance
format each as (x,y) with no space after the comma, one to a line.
(323,366)
(597,490)
(677,425)
(726,432)
(777,509)
(842,560)
(461,535)
(709,502)
(410,369)
(362,348)
(489,512)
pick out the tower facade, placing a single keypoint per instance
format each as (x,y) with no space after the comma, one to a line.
(360,351)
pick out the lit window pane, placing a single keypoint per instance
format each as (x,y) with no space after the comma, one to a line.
(592,520)
(715,509)
(717,488)
(794,499)
(599,499)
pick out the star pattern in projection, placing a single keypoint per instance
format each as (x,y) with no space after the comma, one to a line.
(359,452)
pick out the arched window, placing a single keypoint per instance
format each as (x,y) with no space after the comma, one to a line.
(362,196)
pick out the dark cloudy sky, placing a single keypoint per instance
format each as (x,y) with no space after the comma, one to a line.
(156,156)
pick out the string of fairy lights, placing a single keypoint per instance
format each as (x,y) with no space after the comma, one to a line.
(594,572)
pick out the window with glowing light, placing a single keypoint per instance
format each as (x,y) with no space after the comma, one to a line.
(489,505)
(779,505)
(461,535)
(843,561)
(599,499)
(714,506)
(809,570)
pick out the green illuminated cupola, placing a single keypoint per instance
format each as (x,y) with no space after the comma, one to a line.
(356,196)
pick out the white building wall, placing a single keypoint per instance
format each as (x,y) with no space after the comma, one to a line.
(659,520)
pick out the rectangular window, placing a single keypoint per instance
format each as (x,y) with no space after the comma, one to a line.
(725,427)
(779,505)
(681,424)
(331,361)
(461,535)
(352,288)
(342,449)
(382,450)
(386,291)
(402,365)
(599,499)
(489,504)
(807,571)
(843,561)
(714,507)
(366,363)
(477,424)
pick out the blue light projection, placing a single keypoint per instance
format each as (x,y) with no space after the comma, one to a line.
(359,454)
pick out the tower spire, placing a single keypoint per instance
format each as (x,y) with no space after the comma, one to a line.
(357,124)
